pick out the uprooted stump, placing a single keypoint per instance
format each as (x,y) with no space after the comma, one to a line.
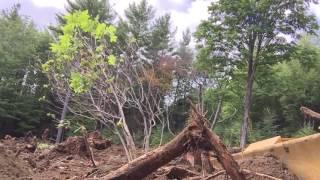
(192,137)
(96,141)
(73,145)
(76,145)
(175,172)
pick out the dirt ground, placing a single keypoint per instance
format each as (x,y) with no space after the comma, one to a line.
(71,162)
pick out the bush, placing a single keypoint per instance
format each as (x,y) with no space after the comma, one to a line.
(305,131)
(107,133)
(43,146)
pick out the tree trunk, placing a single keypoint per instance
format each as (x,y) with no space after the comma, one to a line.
(201,98)
(127,134)
(63,115)
(216,115)
(89,150)
(247,105)
(146,164)
(223,156)
(207,167)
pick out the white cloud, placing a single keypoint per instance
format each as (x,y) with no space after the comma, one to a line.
(178,1)
(315,8)
(181,19)
(50,3)
(188,18)
(120,5)
(191,17)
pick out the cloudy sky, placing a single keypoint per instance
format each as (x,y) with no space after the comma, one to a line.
(184,13)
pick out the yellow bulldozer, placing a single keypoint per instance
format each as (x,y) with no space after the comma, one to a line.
(301,155)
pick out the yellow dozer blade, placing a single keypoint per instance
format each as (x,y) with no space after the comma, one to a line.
(301,155)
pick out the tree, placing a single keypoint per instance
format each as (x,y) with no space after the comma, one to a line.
(153,36)
(283,88)
(148,41)
(22,49)
(103,84)
(250,33)
(99,9)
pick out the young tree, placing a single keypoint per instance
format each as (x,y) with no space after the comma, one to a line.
(104,84)
(99,9)
(251,33)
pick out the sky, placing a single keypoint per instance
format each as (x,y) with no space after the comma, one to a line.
(184,13)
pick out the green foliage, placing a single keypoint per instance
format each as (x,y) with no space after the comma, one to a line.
(305,131)
(150,36)
(247,36)
(96,8)
(156,137)
(280,91)
(78,83)
(21,81)
(229,131)
(77,125)
(44,146)
(80,27)
(289,85)
(106,132)
(100,9)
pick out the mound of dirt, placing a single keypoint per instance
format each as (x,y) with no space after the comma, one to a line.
(12,167)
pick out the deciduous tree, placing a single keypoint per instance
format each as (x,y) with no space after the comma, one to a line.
(252,33)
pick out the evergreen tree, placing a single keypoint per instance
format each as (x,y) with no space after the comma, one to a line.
(22,48)
(150,37)
(100,9)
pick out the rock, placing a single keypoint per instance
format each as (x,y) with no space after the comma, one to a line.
(30,147)
(7,137)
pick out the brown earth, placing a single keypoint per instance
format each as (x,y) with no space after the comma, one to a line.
(267,164)
(11,167)
(69,160)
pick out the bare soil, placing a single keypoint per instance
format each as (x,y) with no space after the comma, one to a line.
(69,160)
(11,167)
(267,164)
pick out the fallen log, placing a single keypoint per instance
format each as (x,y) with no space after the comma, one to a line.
(146,164)
(194,134)
(225,159)
(308,113)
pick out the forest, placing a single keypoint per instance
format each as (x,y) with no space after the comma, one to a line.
(249,71)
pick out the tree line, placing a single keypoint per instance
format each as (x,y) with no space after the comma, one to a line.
(255,63)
